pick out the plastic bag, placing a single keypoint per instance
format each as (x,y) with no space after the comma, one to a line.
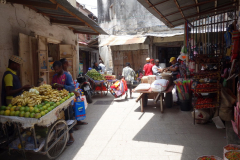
(201,116)
(159,85)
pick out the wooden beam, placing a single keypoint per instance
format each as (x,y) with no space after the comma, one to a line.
(196,1)
(180,10)
(66,10)
(55,15)
(198,4)
(90,33)
(35,4)
(67,22)
(208,11)
(157,4)
(159,13)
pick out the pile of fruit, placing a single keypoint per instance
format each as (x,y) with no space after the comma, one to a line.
(95,75)
(109,77)
(232,155)
(231,147)
(207,158)
(207,87)
(204,103)
(33,105)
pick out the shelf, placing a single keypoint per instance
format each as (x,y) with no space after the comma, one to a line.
(207,107)
(207,92)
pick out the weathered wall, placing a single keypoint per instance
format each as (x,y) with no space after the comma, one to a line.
(128,17)
(18,19)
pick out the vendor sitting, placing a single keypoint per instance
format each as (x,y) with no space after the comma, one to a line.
(156,69)
(174,67)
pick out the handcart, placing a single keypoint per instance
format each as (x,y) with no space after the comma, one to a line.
(57,131)
(100,86)
(149,94)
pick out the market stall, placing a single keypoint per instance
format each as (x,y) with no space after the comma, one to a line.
(153,89)
(38,120)
(100,82)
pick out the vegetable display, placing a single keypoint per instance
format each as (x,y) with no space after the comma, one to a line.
(35,103)
(204,103)
(231,147)
(208,158)
(95,75)
(232,155)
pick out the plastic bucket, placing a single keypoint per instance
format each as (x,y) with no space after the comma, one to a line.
(185,105)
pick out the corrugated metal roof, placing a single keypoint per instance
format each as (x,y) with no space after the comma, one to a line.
(175,12)
(61,12)
(122,40)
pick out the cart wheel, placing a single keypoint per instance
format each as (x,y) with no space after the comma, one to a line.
(56,130)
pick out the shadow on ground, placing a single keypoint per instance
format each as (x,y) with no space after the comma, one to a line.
(174,135)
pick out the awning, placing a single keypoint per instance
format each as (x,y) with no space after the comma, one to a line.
(175,12)
(122,40)
(61,12)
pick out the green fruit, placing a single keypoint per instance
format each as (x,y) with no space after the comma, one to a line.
(36,106)
(46,111)
(58,103)
(43,113)
(22,114)
(48,105)
(31,110)
(52,107)
(72,94)
(49,109)
(3,108)
(22,108)
(27,109)
(32,115)
(12,113)
(39,106)
(41,109)
(2,112)
(7,108)
(51,103)
(36,110)
(45,102)
(17,108)
(44,107)
(37,115)
(17,113)
(9,105)
(27,114)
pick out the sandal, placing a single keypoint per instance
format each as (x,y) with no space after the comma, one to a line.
(70,142)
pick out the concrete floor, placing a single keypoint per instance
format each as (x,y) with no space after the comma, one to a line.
(119,130)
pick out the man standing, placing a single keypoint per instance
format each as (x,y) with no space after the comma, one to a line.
(174,67)
(156,69)
(147,69)
(11,85)
(103,67)
(63,80)
(97,67)
(128,74)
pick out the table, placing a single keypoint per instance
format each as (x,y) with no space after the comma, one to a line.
(159,96)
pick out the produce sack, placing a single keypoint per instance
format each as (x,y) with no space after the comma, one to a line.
(226,109)
(80,113)
(143,87)
(159,85)
(151,79)
(144,79)
(201,116)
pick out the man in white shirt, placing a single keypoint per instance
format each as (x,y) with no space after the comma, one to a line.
(156,69)
(128,74)
(102,66)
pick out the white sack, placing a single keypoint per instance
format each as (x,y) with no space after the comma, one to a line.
(159,85)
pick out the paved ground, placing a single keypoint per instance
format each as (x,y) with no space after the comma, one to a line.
(119,130)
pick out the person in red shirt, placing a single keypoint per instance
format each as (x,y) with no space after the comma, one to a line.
(147,69)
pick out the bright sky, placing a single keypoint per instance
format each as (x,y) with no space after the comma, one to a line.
(91,5)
